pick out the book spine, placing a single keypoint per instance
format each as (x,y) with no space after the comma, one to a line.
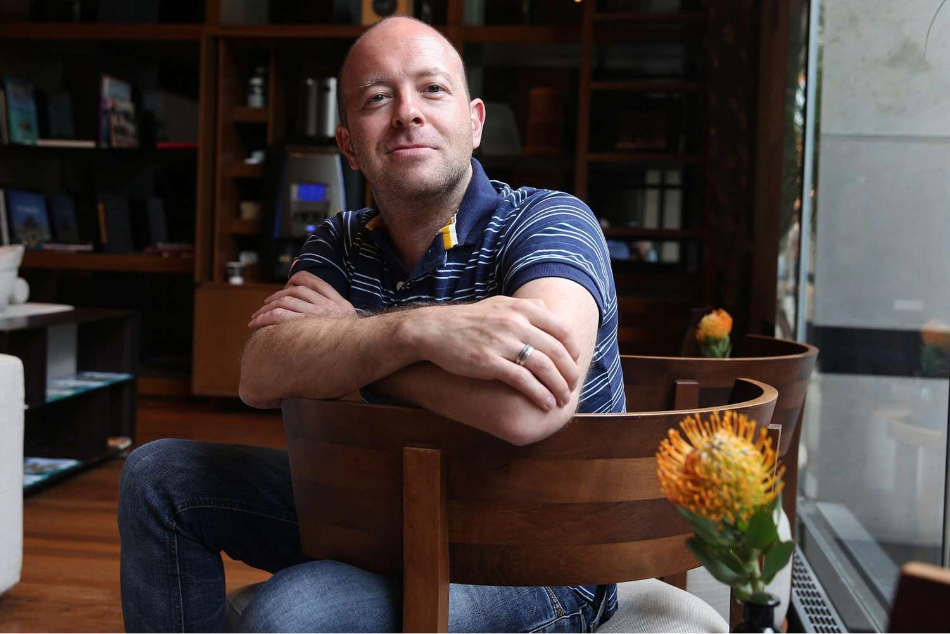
(101,210)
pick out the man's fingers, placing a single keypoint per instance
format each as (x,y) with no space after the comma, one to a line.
(556,354)
(309,280)
(288,303)
(548,374)
(274,317)
(553,325)
(525,382)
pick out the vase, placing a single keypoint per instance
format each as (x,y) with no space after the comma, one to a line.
(758,617)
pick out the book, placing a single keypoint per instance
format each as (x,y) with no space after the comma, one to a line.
(39,469)
(29,223)
(62,212)
(22,120)
(57,247)
(123,131)
(115,223)
(4,134)
(73,384)
(110,88)
(66,143)
(4,225)
(59,115)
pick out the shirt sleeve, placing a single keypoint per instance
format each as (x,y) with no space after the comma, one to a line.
(557,235)
(326,251)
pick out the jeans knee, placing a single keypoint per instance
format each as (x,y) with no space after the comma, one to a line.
(146,476)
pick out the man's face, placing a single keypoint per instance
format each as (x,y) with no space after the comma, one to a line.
(410,126)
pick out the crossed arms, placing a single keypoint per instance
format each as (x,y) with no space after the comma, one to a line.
(456,360)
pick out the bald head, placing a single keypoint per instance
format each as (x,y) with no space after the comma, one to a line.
(391,29)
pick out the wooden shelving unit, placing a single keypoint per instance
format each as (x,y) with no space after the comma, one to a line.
(132,263)
(77,426)
(230,131)
(28,31)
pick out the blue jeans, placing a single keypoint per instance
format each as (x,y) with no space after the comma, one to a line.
(181,503)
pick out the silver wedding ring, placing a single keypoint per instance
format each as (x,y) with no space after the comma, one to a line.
(524,354)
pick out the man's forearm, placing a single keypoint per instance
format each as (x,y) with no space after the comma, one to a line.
(323,357)
(492,406)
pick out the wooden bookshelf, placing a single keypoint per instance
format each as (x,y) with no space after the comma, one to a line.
(648,85)
(133,263)
(29,31)
(640,233)
(518,34)
(651,17)
(243,170)
(246,227)
(646,157)
(243,114)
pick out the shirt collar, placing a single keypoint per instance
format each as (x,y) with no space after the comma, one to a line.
(478,206)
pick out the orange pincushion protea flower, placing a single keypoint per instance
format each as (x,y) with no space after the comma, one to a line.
(715,325)
(936,333)
(722,473)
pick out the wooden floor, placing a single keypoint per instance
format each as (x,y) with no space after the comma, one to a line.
(70,580)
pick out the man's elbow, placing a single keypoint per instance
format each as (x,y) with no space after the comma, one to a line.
(526,424)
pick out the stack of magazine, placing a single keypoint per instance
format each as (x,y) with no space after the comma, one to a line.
(39,469)
(73,384)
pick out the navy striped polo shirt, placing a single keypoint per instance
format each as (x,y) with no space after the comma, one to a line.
(500,239)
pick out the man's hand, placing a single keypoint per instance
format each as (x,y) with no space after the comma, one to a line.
(482,341)
(305,295)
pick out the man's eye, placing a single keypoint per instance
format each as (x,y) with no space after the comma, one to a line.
(434,89)
(376,98)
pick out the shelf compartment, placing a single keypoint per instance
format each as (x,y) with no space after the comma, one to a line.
(132,263)
(243,114)
(648,17)
(246,227)
(648,85)
(517,34)
(645,157)
(243,170)
(29,31)
(641,233)
(288,31)
(119,379)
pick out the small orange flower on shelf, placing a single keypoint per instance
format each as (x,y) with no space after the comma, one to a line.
(713,334)
(726,482)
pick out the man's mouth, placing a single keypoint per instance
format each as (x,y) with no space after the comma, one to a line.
(409,149)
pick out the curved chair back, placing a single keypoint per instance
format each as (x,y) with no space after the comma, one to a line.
(652,383)
(393,489)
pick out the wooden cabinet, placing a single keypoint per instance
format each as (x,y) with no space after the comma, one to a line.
(79,370)
(221,315)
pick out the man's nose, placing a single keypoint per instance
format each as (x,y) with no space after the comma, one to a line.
(407,112)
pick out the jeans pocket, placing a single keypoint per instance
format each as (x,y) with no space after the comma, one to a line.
(574,622)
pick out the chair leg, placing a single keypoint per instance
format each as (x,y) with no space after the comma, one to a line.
(425,542)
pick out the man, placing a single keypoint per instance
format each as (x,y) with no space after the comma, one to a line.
(491,306)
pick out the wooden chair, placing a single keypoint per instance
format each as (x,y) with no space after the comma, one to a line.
(922,595)
(402,491)
(684,382)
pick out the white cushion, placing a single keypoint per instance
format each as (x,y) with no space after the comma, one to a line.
(651,605)
(11,471)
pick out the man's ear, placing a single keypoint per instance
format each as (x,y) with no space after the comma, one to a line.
(346,146)
(477,113)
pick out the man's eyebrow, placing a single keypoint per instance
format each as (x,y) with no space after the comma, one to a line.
(425,72)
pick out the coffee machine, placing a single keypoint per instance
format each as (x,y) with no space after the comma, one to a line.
(306,186)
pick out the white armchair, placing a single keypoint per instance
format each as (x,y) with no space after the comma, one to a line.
(11,471)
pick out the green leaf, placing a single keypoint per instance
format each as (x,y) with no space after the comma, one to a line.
(761,532)
(715,567)
(775,559)
(706,529)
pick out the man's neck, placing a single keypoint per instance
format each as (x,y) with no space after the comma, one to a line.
(412,225)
